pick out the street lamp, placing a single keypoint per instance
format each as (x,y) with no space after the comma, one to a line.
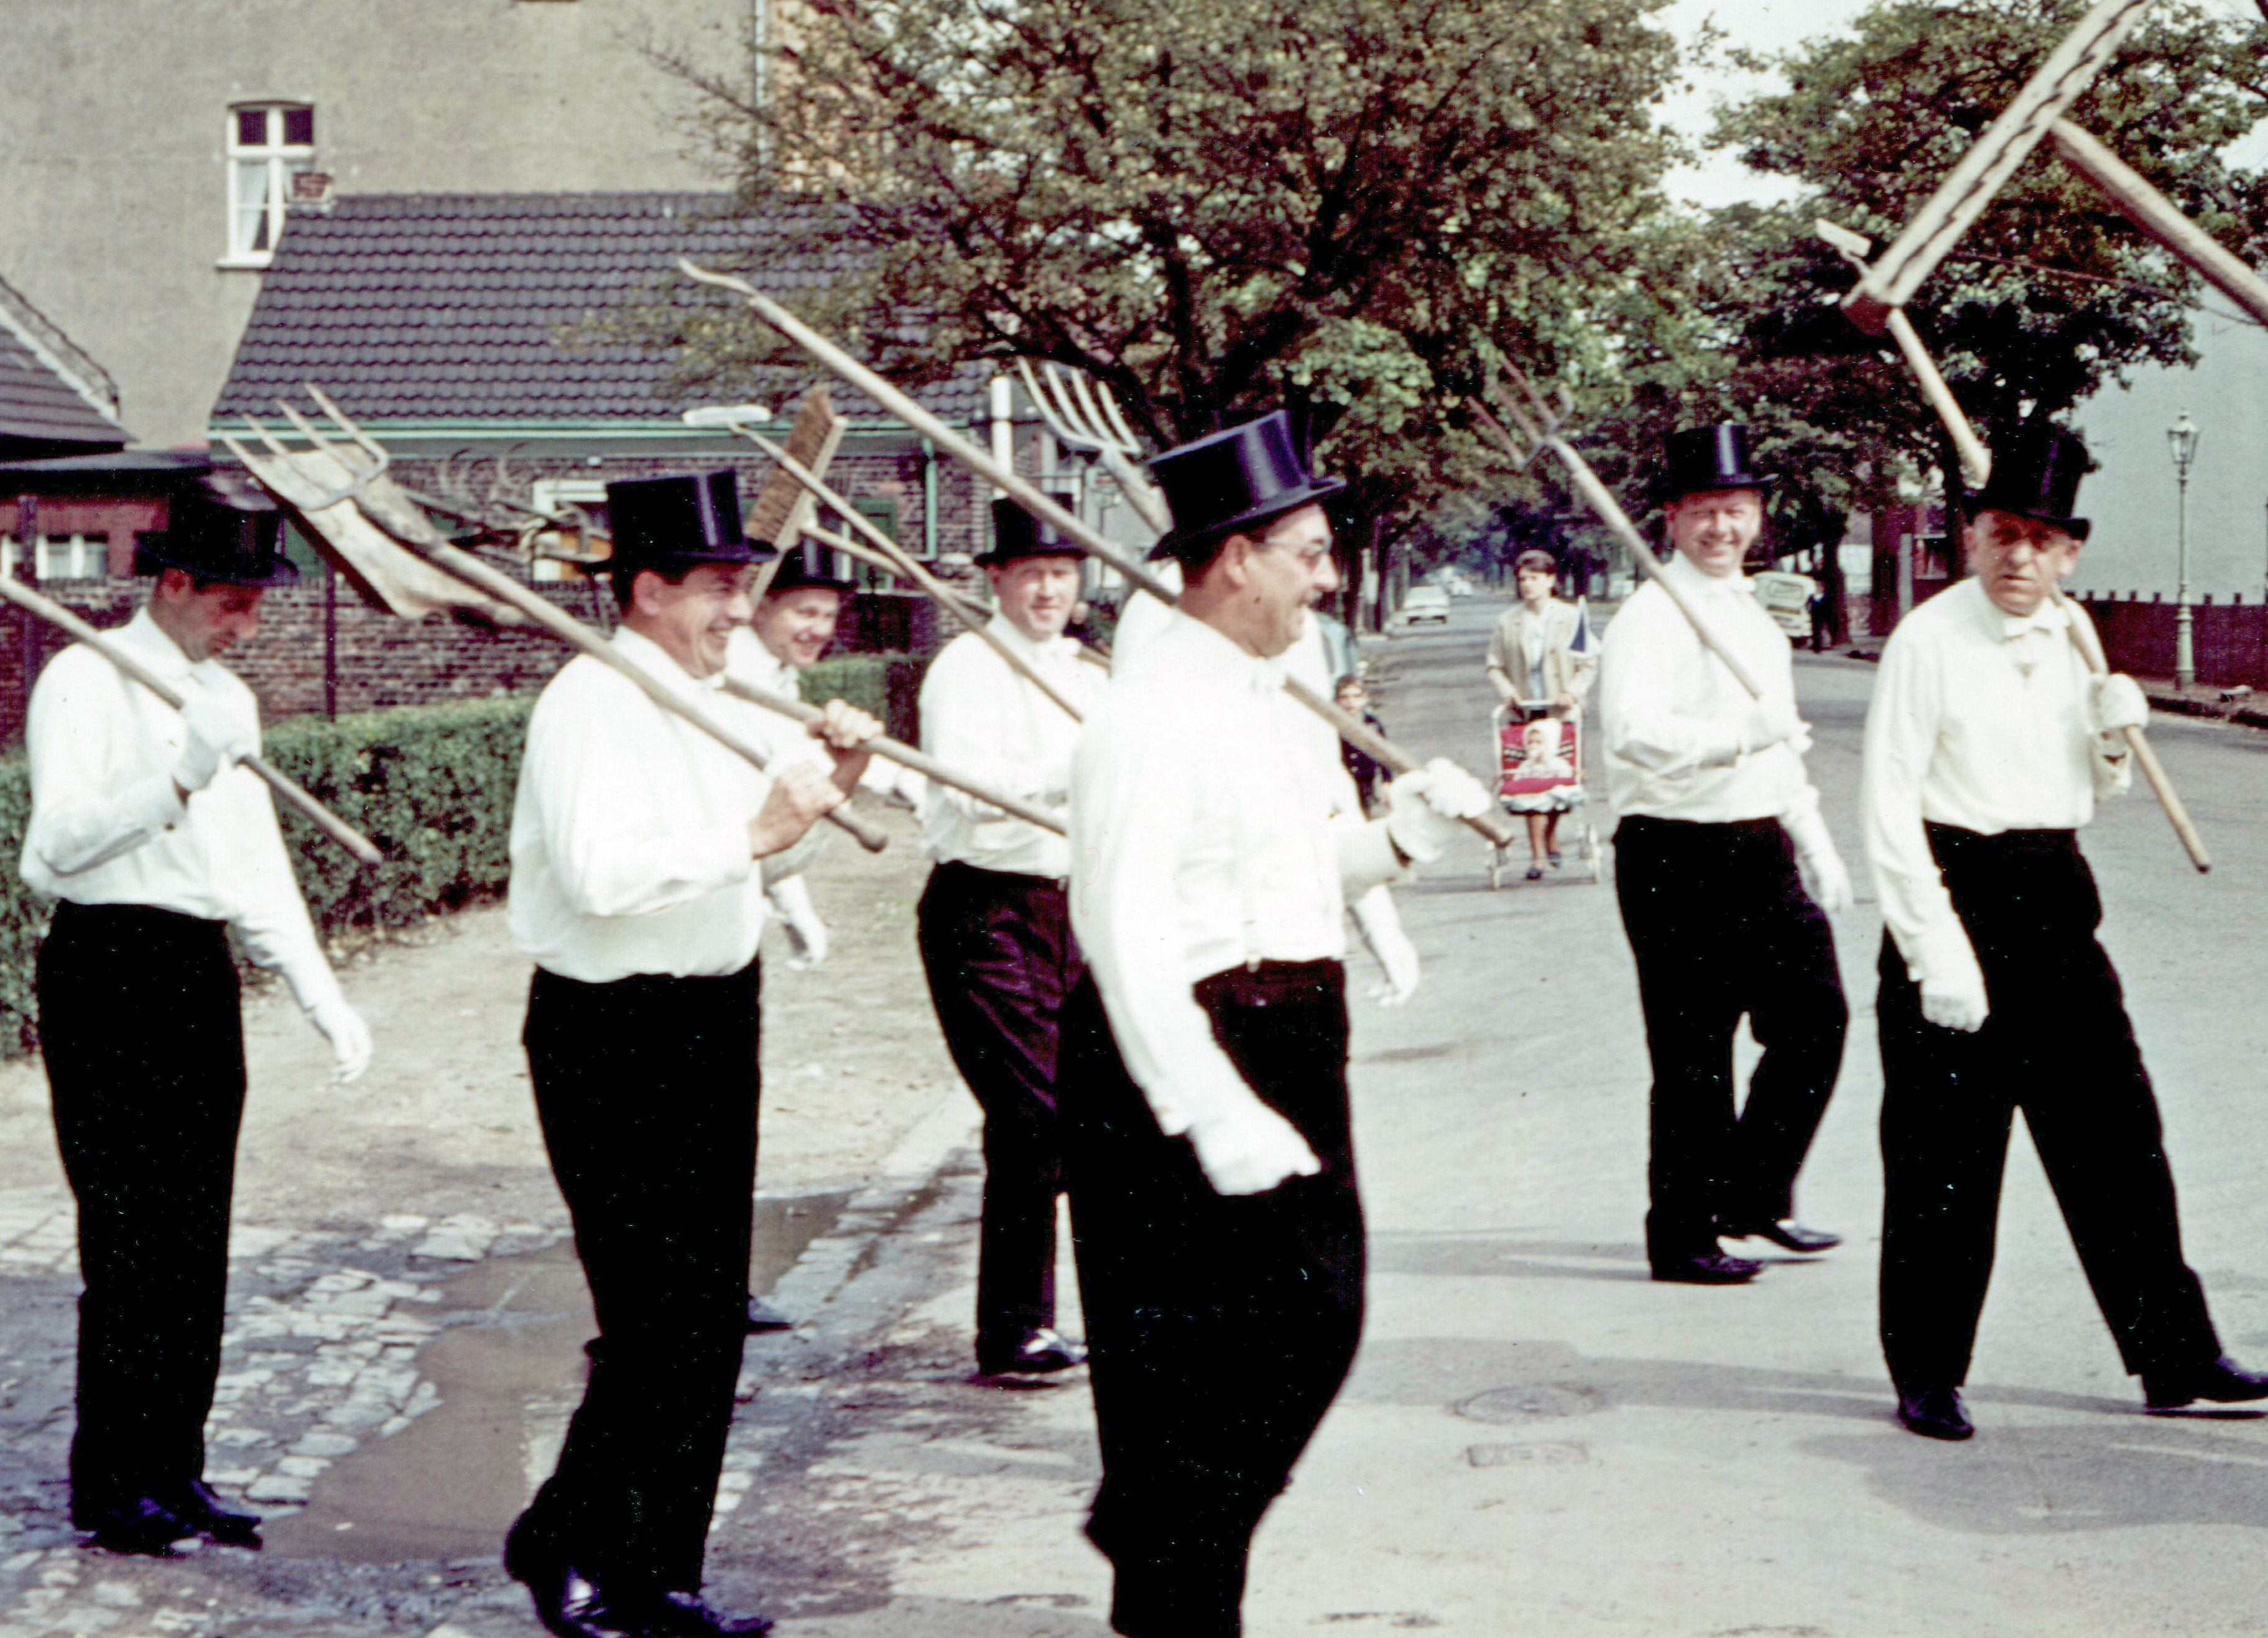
(2182,438)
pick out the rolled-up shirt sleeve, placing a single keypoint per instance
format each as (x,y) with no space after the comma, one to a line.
(1135,801)
(1902,735)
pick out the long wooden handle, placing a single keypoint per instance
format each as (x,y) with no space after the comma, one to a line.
(2156,216)
(569,630)
(2084,637)
(1976,461)
(906,756)
(1609,510)
(1933,230)
(904,564)
(1492,824)
(53,612)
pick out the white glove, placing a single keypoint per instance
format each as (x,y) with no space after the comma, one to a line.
(1426,807)
(806,934)
(1819,866)
(1250,1148)
(1769,722)
(349,1037)
(1382,930)
(2118,704)
(217,738)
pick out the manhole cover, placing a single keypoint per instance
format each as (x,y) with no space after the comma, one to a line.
(1529,1405)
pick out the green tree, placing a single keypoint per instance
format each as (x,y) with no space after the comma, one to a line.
(1216,206)
(2049,296)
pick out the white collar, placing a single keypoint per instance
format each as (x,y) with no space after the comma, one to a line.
(2051,618)
(150,643)
(1690,579)
(1010,633)
(657,662)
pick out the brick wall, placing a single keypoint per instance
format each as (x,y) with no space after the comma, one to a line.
(2229,640)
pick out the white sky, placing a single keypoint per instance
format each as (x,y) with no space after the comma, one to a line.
(1778,25)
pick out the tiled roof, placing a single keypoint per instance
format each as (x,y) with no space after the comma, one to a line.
(41,406)
(448,307)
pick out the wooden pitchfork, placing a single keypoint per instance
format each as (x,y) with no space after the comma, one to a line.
(1976,462)
(1491,822)
(1540,422)
(1082,413)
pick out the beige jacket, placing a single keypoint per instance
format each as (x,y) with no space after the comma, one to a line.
(1565,672)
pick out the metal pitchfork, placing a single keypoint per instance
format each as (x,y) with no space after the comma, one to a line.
(1082,413)
(358,476)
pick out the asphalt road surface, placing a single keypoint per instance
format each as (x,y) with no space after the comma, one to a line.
(1536,1439)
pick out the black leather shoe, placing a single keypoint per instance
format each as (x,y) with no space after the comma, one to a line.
(689,1615)
(1789,1235)
(763,1316)
(214,1519)
(1935,1412)
(142,1525)
(2224,1381)
(1707,1268)
(567,1601)
(1038,1353)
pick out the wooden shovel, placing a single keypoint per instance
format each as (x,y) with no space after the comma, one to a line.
(1490,823)
(79,630)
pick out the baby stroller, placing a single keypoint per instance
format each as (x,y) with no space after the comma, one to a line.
(1540,770)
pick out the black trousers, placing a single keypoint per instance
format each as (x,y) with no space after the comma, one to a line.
(646,1091)
(141,1030)
(999,952)
(1221,1328)
(1721,926)
(2057,1045)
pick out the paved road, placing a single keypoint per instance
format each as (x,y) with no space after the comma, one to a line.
(1536,1440)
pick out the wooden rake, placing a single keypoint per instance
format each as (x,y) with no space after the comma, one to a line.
(1976,461)
(1490,823)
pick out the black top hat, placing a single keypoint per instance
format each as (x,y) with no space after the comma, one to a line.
(1017,533)
(2038,477)
(221,529)
(683,519)
(1233,481)
(806,564)
(1710,457)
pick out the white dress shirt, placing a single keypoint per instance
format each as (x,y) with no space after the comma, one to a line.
(984,719)
(1980,719)
(109,827)
(1670,712)
(629,834)
(1203,838)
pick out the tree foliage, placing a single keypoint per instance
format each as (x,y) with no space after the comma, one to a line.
(2047,298)
(1218,206)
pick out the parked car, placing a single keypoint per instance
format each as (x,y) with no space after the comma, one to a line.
(1425,603)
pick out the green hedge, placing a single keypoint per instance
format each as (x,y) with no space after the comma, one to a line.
(431,785)
(886,686)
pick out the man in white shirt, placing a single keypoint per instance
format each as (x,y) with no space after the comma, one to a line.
(1724,872)
(640,850)
(794,623)
(994,924)
(156,843)
(1987,744)
(1211,1178)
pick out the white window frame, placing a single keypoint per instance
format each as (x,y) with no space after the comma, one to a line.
(549,495)
(259,186)
(59,557)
